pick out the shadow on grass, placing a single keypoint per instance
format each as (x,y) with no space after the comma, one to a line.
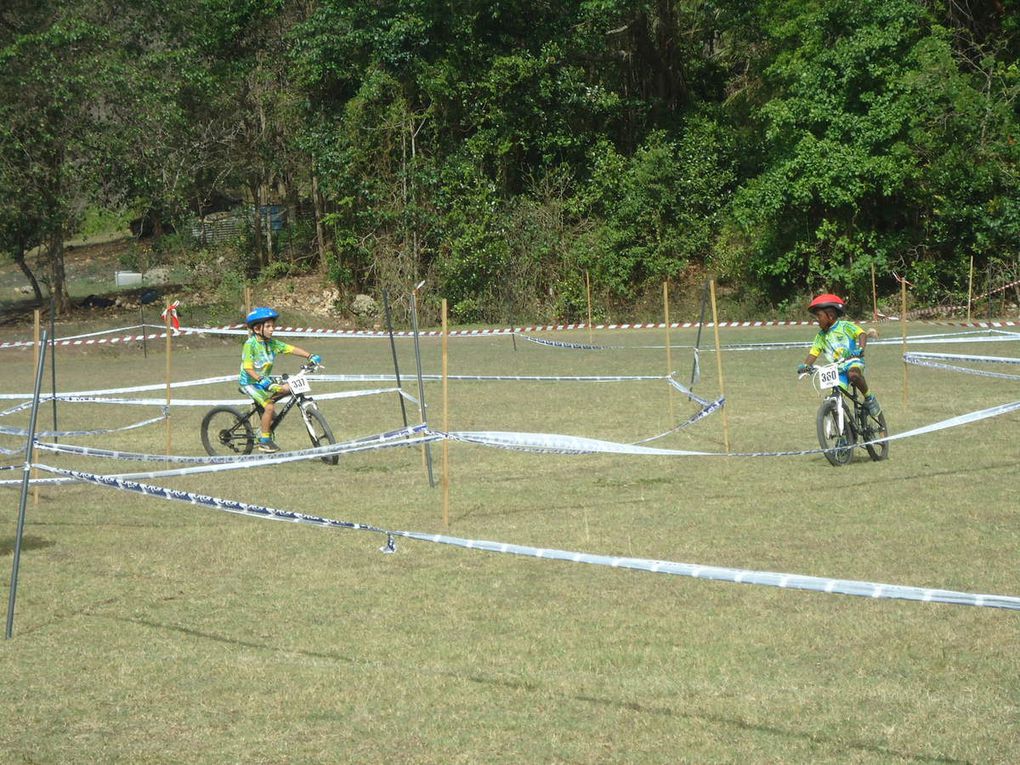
(648,709)
(28,542)
(227,640)
(733,722)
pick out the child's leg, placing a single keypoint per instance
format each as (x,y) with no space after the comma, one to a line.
(857,380)
(268,411)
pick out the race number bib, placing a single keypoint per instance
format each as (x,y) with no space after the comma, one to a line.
(828,376)
(299,384)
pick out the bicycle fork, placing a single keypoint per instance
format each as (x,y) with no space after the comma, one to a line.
(305,407)
(840,419)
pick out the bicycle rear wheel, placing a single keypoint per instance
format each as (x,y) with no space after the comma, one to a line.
(837,442)
(227,432)
(319,431)
(873,429)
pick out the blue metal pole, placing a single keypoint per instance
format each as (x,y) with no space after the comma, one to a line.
(393,347)
(24,488)
(421,384)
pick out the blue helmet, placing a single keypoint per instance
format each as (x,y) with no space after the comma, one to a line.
(259,315)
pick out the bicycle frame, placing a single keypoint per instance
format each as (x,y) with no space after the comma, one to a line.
(841,401)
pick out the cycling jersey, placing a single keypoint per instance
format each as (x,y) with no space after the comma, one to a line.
(839,343)
(258,355)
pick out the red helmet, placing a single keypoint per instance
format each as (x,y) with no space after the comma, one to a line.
(827,301)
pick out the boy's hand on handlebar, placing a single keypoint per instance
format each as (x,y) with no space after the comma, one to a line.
(315,359)
(267,384)
(803,369)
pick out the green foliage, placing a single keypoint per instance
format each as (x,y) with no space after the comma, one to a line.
(97,221)
(502,149)
(658,209)
(880,149)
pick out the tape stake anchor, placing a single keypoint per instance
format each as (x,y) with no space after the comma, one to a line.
(390,547)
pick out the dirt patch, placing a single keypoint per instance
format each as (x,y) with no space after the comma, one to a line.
(91,268)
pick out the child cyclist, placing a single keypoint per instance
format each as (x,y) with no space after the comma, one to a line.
(843,343)
(257,359)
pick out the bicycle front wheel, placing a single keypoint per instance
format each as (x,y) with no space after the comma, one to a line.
(874,429)
(227,432)
(837,442)
(319,431)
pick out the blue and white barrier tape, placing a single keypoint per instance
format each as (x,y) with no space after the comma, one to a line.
(910,359)
(102,396)
(245,459)
(15,409)
(553,443)
(709,409)
(65,433)
(874,590)
(405,437)
(204,402)
(686,391)
(128,389)
(970,359)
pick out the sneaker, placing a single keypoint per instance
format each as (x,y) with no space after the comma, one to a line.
(872,404)
(267,445)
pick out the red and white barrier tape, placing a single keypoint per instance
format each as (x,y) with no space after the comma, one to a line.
(239,329)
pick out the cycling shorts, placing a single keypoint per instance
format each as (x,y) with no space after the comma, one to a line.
(256,393)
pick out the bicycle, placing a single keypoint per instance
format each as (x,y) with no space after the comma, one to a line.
(843,419)
(230,431)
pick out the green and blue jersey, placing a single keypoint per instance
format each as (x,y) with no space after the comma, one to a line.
(839,343)
(258,356)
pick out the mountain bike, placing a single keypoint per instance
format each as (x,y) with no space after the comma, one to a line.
(843,419)
(230,431)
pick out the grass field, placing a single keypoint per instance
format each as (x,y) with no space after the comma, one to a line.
(157,632)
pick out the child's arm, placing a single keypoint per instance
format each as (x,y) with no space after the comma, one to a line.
(803,368)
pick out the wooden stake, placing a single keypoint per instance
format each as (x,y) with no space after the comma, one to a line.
(587,289)
(669,357)
(169,368)
(247,300)
(718,361)
(903,328)
(446,427)
(970,287)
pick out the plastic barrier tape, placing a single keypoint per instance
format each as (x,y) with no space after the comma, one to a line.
(874,590)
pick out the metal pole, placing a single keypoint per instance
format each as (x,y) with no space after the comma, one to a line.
(12,596)
(874,296)
(701,324)
(446,427)
(145,344)
(669,350)
(169,366)
(718,362)
(53,361)
(903,330)
(38,355)
(587,288)
(393,347)
(970,288)
(426,450)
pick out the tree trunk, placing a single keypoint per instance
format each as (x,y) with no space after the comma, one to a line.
(257,225)
(320,234)
(58,279)
(19,258)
